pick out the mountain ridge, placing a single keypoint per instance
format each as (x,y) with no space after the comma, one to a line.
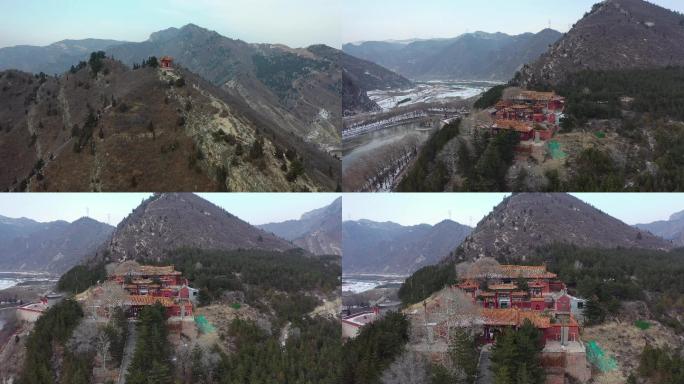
(391,248)
(54,246)
(318,231)
(522,222)
(169,221)
(470,56)
(671,229)
(614,34)
(55,58)
(58,132)
(293,88)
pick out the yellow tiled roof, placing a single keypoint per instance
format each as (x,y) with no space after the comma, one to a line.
(149,300)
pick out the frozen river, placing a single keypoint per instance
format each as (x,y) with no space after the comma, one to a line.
(429,92)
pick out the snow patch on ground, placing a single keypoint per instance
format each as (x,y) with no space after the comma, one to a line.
(428,92)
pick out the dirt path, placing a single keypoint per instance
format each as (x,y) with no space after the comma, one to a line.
(484,372)
(129,349)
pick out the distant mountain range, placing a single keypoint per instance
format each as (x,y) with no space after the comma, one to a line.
(52,59)
(296,90)
(359,77)
(671,229)
(471,56)
(615,34)
(522,222)
(162,223)
(390,248)
(28,245)
(318,231)
(169,221)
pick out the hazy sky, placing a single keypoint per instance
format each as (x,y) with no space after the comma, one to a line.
(406,19)
(295,23)
(469,208)
(255,208)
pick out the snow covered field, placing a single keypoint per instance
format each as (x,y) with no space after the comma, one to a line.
(10,279)
(428,92)
(363,283)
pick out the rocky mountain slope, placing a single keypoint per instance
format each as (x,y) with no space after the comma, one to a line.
(523,222)
(471,56)
(28,245)
(170,221)
(671,229)
(318,231)
(359,77)
(390,248)
(105,127)
(55,58)
(295,89)
(615,34)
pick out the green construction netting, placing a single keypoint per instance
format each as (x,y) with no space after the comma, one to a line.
(598,358)
(204,325)
(556,151)
(601,135)
(236,306)
(642,324)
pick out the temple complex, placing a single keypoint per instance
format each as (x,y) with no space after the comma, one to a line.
(534,115)
(490,300)
(147,285)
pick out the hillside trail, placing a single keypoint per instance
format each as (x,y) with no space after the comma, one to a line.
(129,349)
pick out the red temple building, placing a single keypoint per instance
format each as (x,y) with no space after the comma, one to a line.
(534,115)
(554,328)
(505,297)
(505,304)
(166,63)
(147,285)
(500,289)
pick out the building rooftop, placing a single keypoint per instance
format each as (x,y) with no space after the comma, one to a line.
(502,287)
(360,319)
(514,317)
(518,126)
(148,300)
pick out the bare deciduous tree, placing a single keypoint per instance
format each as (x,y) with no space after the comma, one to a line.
(102,344)
(408,368)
